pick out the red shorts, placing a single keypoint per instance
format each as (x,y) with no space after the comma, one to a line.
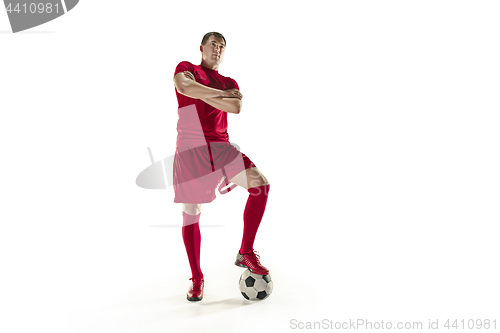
(198,170)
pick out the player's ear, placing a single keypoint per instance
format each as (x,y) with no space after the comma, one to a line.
(201,48)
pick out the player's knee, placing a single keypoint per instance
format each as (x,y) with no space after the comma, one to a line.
(191,209)
(257,181)
(255,178)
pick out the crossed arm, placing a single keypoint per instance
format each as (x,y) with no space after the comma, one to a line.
(224,100)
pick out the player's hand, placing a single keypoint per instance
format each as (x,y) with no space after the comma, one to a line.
(189,75)
(233,93)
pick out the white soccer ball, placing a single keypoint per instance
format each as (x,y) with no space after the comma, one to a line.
(254,286)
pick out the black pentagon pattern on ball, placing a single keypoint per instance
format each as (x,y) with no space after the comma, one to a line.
(250,281)
(255,287)
(261,295)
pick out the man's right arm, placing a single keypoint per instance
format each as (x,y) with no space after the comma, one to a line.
(186,85)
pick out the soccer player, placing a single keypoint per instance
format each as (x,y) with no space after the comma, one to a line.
(205,160)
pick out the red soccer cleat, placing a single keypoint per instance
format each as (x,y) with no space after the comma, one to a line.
(251,261)
(195,292)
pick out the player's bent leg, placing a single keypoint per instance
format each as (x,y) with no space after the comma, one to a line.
(248,178)
(258,188)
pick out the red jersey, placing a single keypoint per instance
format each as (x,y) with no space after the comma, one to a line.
(198,121)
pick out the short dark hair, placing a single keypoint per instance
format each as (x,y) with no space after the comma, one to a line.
(213,33)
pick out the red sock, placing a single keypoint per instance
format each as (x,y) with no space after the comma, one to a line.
(192,241)
(254,210)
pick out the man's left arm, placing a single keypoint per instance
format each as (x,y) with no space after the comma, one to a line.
(227,104)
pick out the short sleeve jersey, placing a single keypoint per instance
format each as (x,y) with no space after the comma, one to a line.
(213,121)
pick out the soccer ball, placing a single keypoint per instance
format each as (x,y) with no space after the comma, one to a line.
(254,286)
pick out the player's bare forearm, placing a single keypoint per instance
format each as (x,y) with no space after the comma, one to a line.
(227,104)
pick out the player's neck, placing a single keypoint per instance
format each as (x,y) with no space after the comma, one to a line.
(214,67)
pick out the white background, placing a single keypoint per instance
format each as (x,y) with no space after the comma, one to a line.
(376,123)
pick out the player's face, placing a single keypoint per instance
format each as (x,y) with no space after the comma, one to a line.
(213,50)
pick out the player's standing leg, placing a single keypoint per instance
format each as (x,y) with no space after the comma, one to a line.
(192,241)
(258,187)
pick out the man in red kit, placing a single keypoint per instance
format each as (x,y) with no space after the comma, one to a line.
(205,159)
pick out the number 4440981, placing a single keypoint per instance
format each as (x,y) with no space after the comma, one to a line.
(33,8)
